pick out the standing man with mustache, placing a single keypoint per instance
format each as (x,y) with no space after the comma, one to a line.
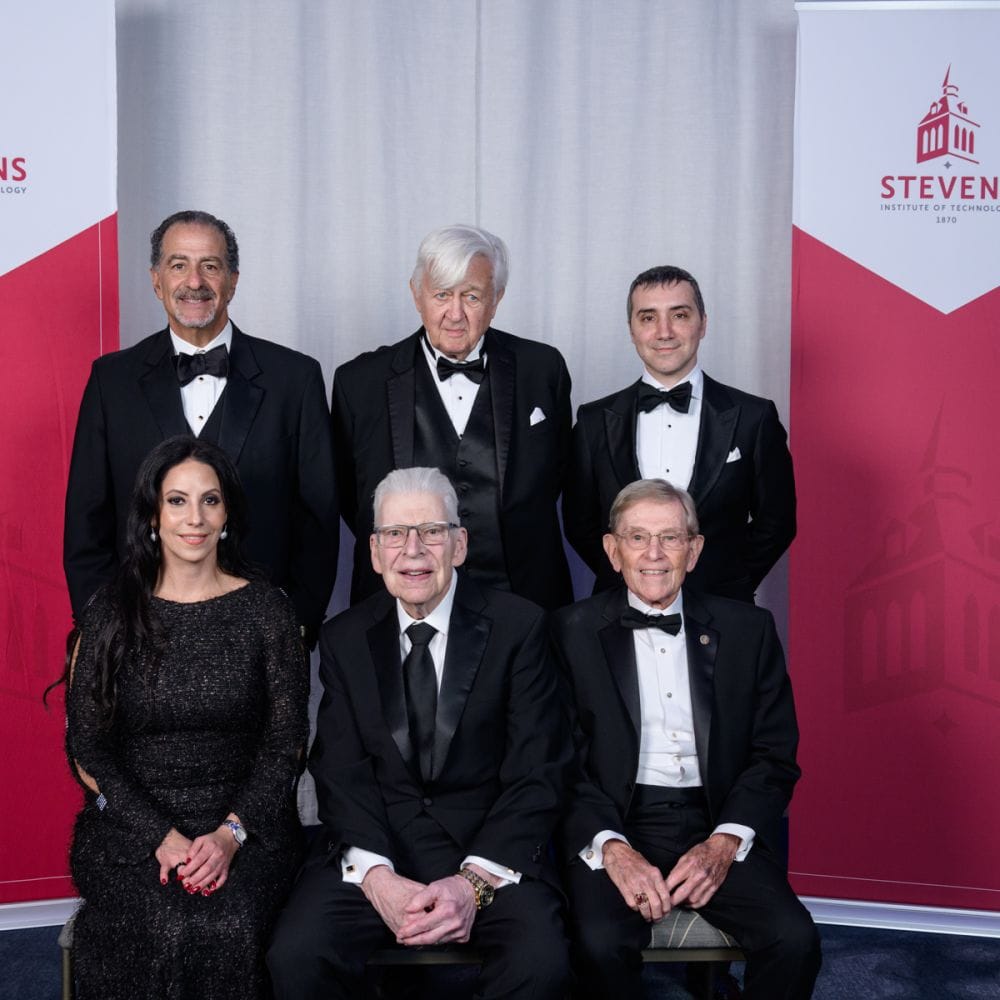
(264,404)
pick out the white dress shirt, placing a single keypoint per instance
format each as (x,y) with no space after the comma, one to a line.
(201,394)
(458,393)
(667,754)
(666,441)
(356,861)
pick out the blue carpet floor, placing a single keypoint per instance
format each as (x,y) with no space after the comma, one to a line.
(857,964)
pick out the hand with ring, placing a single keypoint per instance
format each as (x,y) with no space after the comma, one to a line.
(641,884)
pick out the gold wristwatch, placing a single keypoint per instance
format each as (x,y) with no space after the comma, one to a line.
(483,890)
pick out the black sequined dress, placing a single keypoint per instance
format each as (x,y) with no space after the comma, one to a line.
(216,728)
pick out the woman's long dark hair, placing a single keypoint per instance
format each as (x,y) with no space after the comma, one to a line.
(132,627)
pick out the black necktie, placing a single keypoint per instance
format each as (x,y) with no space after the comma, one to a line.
(420,683)
(636,619)
(474,371)
(679,397)
(213,362)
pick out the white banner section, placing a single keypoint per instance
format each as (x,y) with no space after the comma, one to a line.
(58,140)
(897,140)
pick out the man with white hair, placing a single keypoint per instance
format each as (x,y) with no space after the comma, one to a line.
(685,730)
(440,759)
(490,410)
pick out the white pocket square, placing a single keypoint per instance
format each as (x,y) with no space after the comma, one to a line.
(734,456)
(537,416)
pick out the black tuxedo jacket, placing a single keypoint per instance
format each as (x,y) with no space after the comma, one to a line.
(373,431)
(275,427)
(502,748)
(759,485)
(744,716)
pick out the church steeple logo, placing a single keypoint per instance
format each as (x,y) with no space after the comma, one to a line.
(947,129)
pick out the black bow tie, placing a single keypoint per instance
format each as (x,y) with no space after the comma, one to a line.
(679,397)
(474,371)
(213,362)
(636,619)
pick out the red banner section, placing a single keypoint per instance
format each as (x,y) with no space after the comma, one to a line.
(60,311)
(895,589)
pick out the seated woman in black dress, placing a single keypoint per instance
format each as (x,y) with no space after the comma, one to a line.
(187,720)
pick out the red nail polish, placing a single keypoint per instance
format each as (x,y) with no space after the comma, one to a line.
(213,884)
(163,880)
(206,892)
(197,888)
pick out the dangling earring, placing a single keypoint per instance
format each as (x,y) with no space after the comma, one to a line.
(225,531)
(152,536)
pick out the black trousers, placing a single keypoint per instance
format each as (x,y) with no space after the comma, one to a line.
(755,904)
(328,929)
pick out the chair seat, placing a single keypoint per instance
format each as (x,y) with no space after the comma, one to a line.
(688,929)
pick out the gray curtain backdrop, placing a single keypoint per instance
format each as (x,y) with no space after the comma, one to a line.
(597,138)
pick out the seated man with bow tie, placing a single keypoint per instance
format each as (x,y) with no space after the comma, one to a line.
(685,732)
(489,409)
(440,761)
(724,446)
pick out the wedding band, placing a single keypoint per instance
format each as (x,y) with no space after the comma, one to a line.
(641,899)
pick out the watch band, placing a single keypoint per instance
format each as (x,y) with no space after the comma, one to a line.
(483,890)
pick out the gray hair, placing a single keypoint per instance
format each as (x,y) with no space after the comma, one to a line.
(445,255)
(196,218)
(419,479)
(653,489)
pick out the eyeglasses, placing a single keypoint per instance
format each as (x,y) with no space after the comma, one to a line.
(639,540)
(394,536)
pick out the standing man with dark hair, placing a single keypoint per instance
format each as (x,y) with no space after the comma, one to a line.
(263,404)
(725,447)
(685,731)
(490,410)
(440,760)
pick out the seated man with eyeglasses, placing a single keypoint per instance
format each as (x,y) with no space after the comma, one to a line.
(441,759)
(685,733)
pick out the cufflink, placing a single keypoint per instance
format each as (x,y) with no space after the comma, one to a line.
(350,869)
(590,855)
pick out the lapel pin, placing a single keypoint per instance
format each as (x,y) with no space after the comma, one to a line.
(704,640)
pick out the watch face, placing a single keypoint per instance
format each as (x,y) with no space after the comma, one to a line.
(486,895)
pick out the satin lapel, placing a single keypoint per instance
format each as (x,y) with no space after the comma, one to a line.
(468,635)
(715,438)
(619,652)
(241,399)
(383,643)
(401,399)
(162,391)
(619,425)
(702,649)
(502,367)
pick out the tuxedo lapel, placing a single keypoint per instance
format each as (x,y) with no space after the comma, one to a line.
(468,635)
(400,390)
(383,644)
(159,385)
(241,399)
(717,429)
(702,649)
(502,368)
(619,652)
(620,427)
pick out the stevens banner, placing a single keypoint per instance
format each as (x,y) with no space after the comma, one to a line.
(895,575)
(58,311)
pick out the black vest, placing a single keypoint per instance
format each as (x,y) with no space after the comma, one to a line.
(470,462)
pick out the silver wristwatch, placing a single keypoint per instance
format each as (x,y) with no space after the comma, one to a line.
(239,834)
